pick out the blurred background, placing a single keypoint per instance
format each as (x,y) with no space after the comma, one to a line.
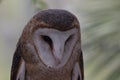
(100,30)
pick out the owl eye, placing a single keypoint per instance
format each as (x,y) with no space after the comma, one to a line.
(48,40)
(69,39)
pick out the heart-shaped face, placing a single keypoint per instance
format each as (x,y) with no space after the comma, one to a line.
(55,47)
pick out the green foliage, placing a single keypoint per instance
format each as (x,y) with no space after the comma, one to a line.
(0,1)
(101,41)
(40,4)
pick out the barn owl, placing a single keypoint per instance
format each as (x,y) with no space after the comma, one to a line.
(49,48)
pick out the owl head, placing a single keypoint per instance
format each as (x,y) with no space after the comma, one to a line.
(51,37)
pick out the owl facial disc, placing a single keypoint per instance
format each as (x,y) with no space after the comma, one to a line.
(54,46)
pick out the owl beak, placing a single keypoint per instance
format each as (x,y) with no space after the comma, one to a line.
(58,56)
(58,52)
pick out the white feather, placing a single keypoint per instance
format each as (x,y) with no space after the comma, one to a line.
(60,53)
